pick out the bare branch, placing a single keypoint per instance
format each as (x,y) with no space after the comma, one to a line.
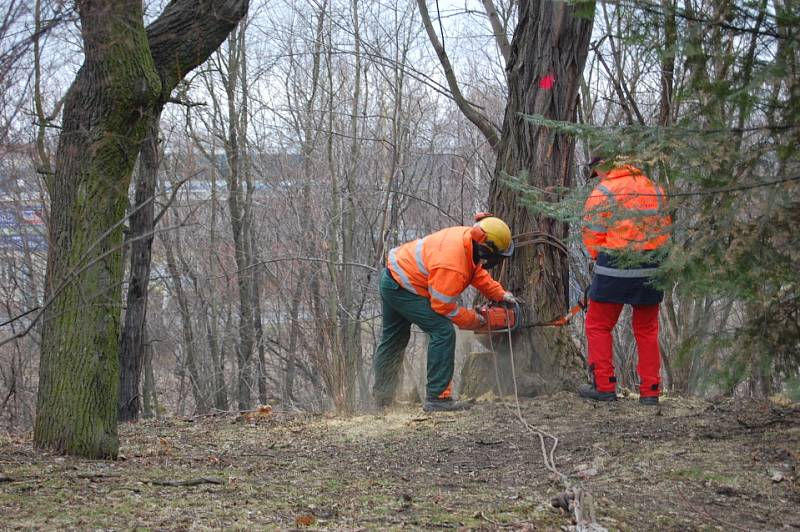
(485,126)
(500,35)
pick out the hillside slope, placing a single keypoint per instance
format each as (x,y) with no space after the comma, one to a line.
(685,465)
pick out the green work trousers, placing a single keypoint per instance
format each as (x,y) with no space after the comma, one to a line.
(401,308)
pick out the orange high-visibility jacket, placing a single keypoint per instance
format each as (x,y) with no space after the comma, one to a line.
(626,210)
(440,267)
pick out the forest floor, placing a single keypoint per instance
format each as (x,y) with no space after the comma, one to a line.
(688,464)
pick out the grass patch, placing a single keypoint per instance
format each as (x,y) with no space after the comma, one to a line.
(699,475)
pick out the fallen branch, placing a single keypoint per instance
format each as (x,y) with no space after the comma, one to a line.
(190,482)
(216,413)
(481,515)
(260,410)
(92,476)
(781,416)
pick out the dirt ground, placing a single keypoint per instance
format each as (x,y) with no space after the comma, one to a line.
(686,465)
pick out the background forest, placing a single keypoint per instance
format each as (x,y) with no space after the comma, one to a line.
(322,133)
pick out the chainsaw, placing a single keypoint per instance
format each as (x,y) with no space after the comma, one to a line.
(500,317)
(507,317)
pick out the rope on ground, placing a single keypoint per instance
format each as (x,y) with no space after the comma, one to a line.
(575,498)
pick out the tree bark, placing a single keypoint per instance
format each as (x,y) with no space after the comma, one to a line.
(131,355)
(127,76)
(548,54)
(498,29)
(105,119)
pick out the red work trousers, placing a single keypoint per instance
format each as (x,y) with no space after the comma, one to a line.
(600,321)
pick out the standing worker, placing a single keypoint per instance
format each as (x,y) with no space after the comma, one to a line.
(626,223)
(421,285)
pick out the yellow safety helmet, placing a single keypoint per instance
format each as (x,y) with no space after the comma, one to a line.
(493,233)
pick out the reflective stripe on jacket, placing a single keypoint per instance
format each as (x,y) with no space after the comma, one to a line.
(440,267)
(626,211)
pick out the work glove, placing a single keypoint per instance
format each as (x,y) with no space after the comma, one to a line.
(481,321)
(509,298)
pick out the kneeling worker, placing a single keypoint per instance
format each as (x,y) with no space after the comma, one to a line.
(421,284)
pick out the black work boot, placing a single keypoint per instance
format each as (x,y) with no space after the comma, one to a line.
(587,391)
(445,405)
(649,401)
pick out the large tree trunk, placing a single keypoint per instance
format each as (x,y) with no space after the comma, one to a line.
(127,76)
(105,119)
(548,54)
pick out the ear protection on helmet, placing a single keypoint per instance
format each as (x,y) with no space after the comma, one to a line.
(477,233)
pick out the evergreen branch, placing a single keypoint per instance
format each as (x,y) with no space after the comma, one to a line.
(722,190)
(592,132)
(726,190)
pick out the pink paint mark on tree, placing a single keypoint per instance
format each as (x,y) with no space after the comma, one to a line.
(547,82)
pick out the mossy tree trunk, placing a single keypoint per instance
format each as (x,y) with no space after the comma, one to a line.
(127,77)
(548,54)
(105,119)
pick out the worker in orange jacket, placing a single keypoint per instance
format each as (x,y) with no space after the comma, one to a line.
(626,225)
(421,284)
